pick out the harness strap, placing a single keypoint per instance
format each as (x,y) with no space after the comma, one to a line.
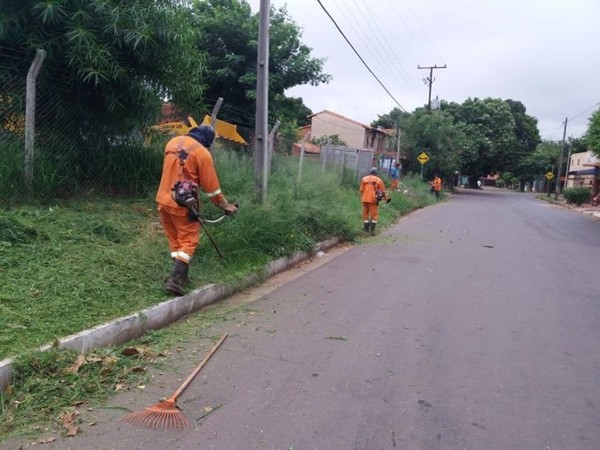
(182,153)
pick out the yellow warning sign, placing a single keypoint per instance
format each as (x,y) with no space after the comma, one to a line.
(423,157)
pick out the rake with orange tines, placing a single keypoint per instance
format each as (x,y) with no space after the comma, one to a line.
(166,415)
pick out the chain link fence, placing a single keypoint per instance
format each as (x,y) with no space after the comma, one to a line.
(12,133)
(352,164)
(51,147)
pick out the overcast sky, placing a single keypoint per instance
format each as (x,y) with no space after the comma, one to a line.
(543,53)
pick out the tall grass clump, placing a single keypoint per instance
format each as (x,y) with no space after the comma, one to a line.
(12,181)
(70,264)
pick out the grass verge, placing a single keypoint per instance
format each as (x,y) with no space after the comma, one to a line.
(70,265)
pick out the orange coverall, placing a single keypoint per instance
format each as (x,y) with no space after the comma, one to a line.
(368,185)
(185,158)
(436,184)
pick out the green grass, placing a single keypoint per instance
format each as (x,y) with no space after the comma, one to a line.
(74,264)
(48,385)
(67,265)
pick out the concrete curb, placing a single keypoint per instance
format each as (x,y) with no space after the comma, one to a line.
(130,327)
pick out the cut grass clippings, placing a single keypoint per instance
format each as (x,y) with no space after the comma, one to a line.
(73,264)
(51,389)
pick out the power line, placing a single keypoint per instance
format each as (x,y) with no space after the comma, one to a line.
(372,47)
(582,113)
(377,30)
(422,29)
(360,57)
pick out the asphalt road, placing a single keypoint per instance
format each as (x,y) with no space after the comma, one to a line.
(472,324)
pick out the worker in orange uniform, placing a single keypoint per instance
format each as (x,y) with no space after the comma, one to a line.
(189,165)
(372,191)
(436,185)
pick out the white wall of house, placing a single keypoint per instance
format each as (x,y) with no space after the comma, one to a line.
(325,124)
(577,162)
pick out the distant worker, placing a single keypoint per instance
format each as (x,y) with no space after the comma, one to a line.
(395,176)
(189,165)
(436,185)
(372,191)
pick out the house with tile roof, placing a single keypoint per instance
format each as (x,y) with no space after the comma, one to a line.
(355,134)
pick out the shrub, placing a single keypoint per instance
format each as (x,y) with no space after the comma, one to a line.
(577,195)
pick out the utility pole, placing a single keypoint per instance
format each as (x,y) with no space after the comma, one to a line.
(560,161)
(261,143)
(430,80)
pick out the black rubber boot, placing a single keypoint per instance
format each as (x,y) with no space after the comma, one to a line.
(372,228)
(186,279)
(366,226)
(176,281)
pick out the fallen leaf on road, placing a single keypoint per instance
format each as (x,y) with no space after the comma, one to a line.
(68,421)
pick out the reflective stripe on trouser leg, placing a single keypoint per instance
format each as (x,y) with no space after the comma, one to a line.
(183,256)
(183,235)
(188,237)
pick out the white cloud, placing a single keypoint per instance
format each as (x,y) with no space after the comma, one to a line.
(543,53)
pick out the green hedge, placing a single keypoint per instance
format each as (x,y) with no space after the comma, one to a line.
(577,195)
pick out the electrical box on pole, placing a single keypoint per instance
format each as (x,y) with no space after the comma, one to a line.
(430,80)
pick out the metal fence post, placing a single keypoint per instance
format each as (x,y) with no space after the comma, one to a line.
(213,119)
(304,139)
(34,70)
(271,142)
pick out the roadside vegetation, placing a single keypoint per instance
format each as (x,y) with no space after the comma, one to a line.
(80,242)
(72,264)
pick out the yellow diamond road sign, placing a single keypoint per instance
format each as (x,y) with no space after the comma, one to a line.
(423,158)
(549,175)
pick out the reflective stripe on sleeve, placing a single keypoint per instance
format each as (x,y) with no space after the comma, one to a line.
(212,194)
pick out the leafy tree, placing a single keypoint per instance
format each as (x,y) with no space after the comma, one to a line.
(543,159)
(489,127)
(527,137)
(592,136)
(438,135)
(115,60)
(228,32)
(391,120)
(293,109)
(576,145)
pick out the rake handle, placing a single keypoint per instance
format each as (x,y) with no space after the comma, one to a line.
(196,370)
